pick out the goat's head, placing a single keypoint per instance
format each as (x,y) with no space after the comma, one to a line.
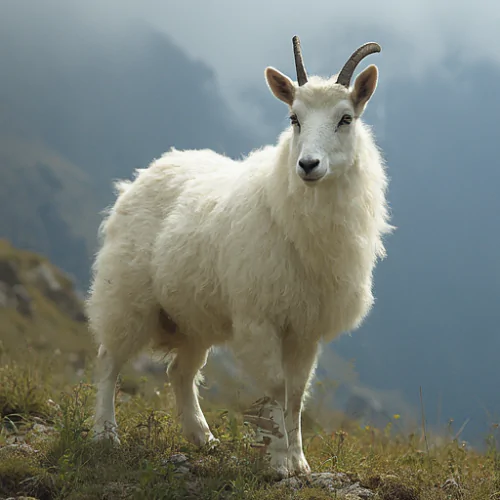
(324,113)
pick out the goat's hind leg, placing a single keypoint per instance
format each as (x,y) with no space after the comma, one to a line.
(184,375)
(109,365)
(122,333)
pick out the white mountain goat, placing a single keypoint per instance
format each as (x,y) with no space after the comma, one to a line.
(270,255)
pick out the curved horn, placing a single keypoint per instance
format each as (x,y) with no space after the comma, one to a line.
(347,71)
(299,63)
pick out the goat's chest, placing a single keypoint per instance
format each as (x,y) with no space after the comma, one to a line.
(335,284)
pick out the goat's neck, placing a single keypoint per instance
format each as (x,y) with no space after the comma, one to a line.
(313,218)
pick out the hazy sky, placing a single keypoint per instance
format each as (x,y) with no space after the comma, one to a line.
(240,38)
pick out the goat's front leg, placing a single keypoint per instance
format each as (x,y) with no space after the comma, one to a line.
(299,359)
(259,348)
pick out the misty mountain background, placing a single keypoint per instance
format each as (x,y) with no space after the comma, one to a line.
(78,110)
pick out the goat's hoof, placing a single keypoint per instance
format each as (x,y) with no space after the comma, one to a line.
(298,464)
(301,469)
(212,443)
(201,439)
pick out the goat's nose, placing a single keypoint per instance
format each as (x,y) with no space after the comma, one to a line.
(308,164)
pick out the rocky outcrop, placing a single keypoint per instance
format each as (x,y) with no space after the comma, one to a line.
(23,273)
(66,299)
(340,485)
(12,292)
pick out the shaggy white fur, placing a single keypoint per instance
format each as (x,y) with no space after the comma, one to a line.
(200,250)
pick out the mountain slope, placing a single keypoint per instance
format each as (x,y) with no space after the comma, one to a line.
(39,308)
(103,108)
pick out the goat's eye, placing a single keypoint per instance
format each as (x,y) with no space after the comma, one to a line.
(294,120)
(345,120)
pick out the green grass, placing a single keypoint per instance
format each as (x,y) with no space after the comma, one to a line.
(58,460)
(46,405)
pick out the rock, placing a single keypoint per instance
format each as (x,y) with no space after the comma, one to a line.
(15,438)
(43,429)
(23,448)
(16,297)
(9,274)
(22,498)
(180,463)
(335,482)
(327,480)
(23,300)
(178,458)
(4,295)
(355,491)
(66,299)
(182,470)
(43,276)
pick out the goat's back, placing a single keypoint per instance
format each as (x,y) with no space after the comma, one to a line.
(123,273)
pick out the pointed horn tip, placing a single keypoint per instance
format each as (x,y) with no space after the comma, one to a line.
(299,63)
(375,46)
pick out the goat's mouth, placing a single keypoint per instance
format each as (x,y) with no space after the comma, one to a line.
(312,180)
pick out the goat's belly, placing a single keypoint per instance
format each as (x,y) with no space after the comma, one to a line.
(195,307)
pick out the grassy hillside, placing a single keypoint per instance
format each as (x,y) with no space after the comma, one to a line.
(46,404)
(45,452)
(39,309)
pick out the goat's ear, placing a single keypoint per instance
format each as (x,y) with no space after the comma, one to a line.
(281,86)
(364,87)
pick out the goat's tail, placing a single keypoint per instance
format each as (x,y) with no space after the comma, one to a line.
(120,188)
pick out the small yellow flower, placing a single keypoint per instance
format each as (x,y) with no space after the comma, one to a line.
(397,416)
(367,428)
